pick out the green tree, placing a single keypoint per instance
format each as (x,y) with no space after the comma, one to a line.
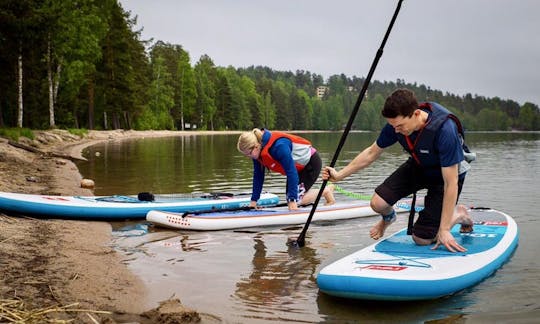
(237,108)
(120,85)
(176,61)
(205,76)
(529,117)
(73,46)
(301,110)
(253,101)
(491,120)
(20,33)
(186,97)
(280,98)
(269,111)
(161,96)
(334,113)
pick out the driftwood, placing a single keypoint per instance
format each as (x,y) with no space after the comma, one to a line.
(37,151)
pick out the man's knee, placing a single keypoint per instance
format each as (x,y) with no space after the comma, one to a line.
(421,241)
(379,205)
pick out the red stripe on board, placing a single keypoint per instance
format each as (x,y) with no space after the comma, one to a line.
(385,267)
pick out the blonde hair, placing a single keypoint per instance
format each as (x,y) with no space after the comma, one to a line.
(248,140)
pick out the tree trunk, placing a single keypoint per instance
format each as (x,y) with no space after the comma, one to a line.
(116,121)
(91,89)
(20,88)
(57,83)
(105,127)
(182,119)
(50,83)
(182,101)
(127,120)
(1,115)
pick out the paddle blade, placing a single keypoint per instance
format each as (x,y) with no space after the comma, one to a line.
(296,243)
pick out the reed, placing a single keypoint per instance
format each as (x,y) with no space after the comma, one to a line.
(18,311)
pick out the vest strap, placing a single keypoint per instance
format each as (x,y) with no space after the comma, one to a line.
(411,215)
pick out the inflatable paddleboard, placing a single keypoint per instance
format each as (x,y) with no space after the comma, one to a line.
(121,207)
(223,220)
(398,269)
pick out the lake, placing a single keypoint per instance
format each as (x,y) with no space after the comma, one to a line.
(252,276)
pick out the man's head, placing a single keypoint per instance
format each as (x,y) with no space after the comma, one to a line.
(401,111)
(401,102)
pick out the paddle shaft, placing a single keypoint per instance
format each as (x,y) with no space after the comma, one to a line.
(223,210)
(301,238)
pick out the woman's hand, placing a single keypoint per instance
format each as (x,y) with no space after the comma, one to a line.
(292,205)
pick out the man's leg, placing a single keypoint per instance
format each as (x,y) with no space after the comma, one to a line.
(380,206)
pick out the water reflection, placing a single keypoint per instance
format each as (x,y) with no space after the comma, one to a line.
(277,281)
(342,310)
(184,243)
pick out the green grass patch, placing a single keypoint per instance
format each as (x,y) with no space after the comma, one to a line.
(15,133)
(78,131)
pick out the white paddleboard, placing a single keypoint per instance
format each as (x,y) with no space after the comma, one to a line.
(398,269)
(222,220)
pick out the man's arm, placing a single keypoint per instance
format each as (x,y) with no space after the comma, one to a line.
(361,161)
(444,237)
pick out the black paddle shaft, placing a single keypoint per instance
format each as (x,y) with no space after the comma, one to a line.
(224,210)
(301,238)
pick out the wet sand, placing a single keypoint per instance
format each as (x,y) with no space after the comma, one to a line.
(59,263)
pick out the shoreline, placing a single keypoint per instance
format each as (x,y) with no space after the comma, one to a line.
(53,263)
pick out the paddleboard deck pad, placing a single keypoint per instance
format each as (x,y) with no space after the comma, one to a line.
(397,269)
(119,207)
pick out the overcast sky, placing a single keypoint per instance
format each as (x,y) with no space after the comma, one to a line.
(483,47)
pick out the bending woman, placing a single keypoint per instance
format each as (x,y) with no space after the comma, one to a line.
(290,155)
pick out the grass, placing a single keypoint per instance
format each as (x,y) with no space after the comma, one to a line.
(16,311)
(15,132)
(78,131)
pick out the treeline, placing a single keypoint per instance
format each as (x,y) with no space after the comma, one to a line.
(82,64)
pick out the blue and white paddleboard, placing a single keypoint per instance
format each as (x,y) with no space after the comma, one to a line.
(120,207)
(398,269)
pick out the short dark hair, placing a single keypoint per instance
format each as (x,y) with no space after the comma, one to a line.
(402,102)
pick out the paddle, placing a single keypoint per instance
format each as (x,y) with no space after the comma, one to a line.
(223,210)
(300,241)
(148,196)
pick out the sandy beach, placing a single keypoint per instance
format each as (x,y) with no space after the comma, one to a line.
(66,269)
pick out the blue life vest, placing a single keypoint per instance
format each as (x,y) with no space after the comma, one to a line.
(423,149)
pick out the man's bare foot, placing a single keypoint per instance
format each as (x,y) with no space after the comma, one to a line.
(377,231)
(463,218)
(329,195)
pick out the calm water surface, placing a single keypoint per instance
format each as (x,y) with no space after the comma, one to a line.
(252,276)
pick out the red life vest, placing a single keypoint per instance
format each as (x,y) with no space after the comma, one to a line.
(301,152)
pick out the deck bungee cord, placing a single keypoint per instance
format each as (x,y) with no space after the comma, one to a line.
(355,195)
(351,194)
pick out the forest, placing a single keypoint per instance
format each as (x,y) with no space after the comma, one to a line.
(83,65)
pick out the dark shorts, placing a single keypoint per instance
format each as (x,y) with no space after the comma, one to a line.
(309,175)
(408,179)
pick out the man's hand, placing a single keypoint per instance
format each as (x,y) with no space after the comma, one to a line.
(447,239)
(329,173)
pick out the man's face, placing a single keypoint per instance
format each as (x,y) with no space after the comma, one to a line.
(403,125)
